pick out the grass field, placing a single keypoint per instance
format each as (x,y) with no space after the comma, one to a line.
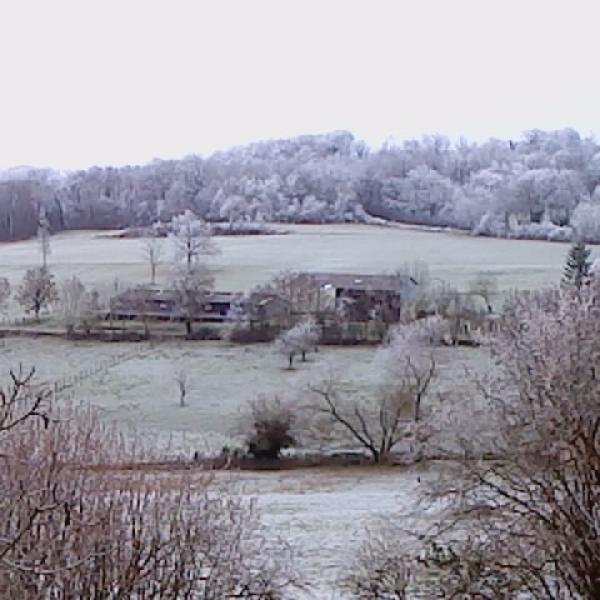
(243,261)
(141,389)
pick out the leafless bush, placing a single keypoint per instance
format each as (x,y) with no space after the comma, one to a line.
(271,421)
(244,333)
(74,526)
(380,570)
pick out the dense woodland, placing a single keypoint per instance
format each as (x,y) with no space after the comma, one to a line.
(544,186)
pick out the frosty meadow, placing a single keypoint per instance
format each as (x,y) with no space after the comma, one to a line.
(181,400)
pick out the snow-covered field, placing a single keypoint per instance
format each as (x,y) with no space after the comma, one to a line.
(140,387)
(243,261)
(325,515)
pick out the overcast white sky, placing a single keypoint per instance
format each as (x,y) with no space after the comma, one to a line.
(124,81)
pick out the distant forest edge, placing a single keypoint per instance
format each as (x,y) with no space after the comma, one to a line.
(543,186)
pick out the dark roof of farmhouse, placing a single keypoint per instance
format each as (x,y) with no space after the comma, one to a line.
(168,295)
(358,281)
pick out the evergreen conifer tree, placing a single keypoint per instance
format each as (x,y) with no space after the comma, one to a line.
(577,267)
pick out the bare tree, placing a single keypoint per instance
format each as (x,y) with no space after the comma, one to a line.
(43,234)
(152,249)
(392,413)
(289,346)
(19,401)
(139,300)
(377,423)
(192,280)
(418,298)
(182,380)
(192,283)
(37,291)
(295,291)
(311,336)
(525,523)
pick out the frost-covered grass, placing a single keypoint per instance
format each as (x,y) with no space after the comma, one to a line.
(141,387)
(223,377)
(324,515)
(98,259)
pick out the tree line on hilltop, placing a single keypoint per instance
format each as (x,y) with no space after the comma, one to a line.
(544,186)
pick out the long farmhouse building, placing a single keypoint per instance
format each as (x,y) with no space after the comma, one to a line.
(361,298)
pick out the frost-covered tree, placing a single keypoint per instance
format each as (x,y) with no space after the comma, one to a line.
(5,291)
(523,188)
(78,306)
(586,222)
(484,286)
(191,279)
(191,238)
(524,521)
(37,291)
(298,340)
(152,249)
(43,234)
(234,209)
(191,285)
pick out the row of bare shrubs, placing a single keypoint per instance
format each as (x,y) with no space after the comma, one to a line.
(75,526)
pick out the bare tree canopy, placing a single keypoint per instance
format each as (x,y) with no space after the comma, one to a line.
(78,306)
(191,279)
(152,249)
(524,521)
(391,414)
(74,527)
(191,283)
